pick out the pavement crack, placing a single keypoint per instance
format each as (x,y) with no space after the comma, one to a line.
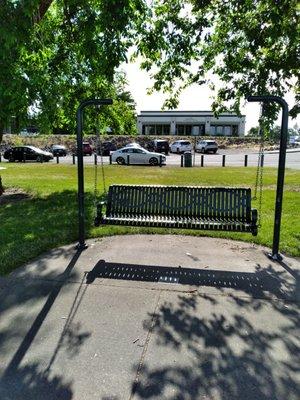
(143,356)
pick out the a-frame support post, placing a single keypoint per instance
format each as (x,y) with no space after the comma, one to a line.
(275,255)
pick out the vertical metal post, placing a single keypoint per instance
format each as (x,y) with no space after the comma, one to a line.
(281,169)
(202,160)
(81,240)
(73,157)
(246,160)
(160,160)
(110,159)
(0,157)
(181,160)
(128,159)
(223,160)
(57,159)
(95,158)
(81,212)
(262,158)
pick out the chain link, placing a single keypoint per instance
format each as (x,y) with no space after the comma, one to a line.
(259,170)
(98,146)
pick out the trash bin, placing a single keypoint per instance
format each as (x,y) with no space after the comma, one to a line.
(187,159)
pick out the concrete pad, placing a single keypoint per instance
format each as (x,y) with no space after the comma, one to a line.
(214,348)
(151,316)
(82,346)
(214,264)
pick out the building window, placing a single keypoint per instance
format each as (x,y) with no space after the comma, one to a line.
(227,130)
(180,130)
(156,129)
(235,131)
(212,130)
(184,130)
(221,130)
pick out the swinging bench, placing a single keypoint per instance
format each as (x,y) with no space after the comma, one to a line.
(192,207)
(184,207)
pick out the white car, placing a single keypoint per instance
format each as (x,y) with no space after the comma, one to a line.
(134,145)
(137,155)
(29,132)
(180,146)
(207,146)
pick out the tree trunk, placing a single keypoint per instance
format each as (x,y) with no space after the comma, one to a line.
(1,187)
(1,132)
(43,8)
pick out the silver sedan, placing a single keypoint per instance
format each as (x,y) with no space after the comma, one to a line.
(134,155)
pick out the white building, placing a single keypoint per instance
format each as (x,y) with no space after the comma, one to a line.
(196,123)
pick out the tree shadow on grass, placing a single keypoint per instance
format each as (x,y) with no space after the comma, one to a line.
(32,227)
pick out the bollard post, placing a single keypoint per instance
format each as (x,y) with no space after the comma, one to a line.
(127,159)
(262,160)
(223,160)
(181,160)
(95,158)
(73,156)
(202,160)
(160,160)
(57,159)
(24,157)
(246,160)
(110,159)
(0,157)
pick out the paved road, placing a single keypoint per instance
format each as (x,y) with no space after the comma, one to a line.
(214,160)
(271,159)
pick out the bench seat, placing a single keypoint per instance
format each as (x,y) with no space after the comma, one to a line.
(200,208)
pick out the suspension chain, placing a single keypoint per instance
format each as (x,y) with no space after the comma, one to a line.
(96,174)
(259,171)
(98,146)
(102,169)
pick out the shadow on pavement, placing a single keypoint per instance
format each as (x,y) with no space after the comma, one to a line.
(217,347)
(230,356)
(257,284)
(31,381)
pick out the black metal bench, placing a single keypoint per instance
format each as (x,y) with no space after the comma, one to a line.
(203,208)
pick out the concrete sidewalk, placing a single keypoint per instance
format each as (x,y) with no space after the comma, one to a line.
(151,317)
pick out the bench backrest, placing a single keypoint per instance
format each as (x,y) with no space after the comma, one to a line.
(192,201)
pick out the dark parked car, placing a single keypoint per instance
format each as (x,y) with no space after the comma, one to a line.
(28,153)
(159,146)
(106,148)
(87,149)
(58,150)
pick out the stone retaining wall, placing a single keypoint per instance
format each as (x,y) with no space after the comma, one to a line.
(45,141)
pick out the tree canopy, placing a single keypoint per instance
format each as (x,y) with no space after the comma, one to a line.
(252,46)
(50,62)
(56,53)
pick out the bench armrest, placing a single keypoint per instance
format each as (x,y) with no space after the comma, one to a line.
(99,213)
(254,221)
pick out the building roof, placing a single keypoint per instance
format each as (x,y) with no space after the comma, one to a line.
(185,113)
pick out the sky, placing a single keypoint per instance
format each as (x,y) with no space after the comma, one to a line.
(193,98)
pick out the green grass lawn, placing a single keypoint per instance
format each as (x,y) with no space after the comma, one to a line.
(49,218)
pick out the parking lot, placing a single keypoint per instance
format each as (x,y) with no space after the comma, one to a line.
(233,158)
